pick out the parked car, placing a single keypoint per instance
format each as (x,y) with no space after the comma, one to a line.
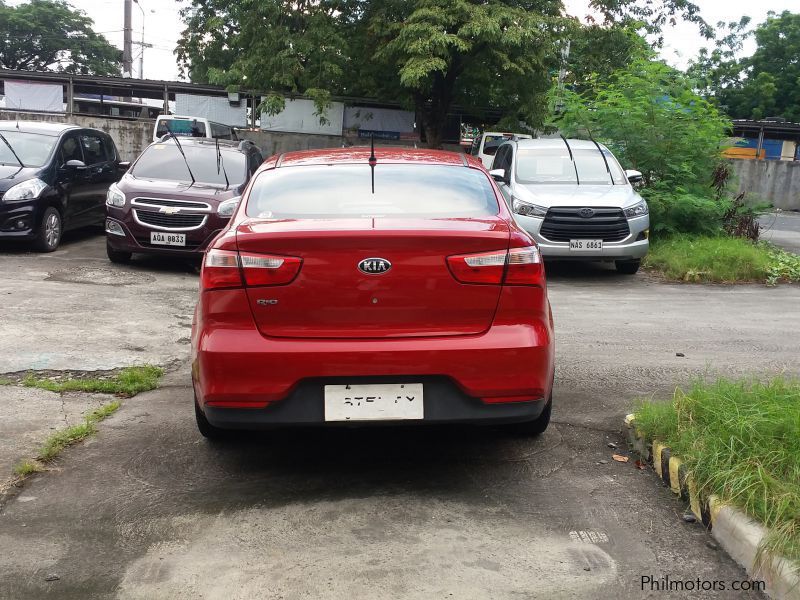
(195,127)
(575,200)
(177,196)
(357,289)
(485,145)
(53,178)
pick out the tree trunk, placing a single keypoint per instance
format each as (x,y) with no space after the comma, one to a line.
(435,113)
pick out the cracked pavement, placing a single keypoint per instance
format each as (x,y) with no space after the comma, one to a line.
(148,509)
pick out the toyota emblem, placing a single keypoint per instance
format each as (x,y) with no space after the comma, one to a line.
(586,213)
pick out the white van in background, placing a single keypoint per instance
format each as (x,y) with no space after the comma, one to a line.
(485,145)
(196,127)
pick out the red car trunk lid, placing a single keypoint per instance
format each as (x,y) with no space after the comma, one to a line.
(332,298)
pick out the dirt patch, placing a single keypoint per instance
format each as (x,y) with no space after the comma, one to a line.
(100,276)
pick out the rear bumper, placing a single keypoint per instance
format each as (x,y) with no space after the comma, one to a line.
(243,379)
(305,406)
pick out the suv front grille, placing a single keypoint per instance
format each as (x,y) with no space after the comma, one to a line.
(564,223)
(170,202)
(177,221)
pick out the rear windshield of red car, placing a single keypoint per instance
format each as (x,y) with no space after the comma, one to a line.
(401,190)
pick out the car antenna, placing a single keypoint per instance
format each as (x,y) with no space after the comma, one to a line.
(572,158)
(180,148)
(372,160)
(608,169)
(10,147)
(221,162)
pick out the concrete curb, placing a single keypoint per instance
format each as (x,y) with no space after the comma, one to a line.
(739,535)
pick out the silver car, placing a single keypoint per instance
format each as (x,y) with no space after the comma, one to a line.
(573,197)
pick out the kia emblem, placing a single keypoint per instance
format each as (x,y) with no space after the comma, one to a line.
(374,266)
(586,213)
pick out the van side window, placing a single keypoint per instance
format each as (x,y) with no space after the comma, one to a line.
(70,150)
(253,162)
(94,149)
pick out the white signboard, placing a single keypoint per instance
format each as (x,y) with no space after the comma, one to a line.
(298,117)
(213,108)
(34,96)
(378,119)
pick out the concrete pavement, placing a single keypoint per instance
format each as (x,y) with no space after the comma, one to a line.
(782,229)
(148,509)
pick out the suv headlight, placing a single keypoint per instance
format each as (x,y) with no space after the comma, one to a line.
(528,210)
(227,208)
(637,210)
(27,190)
(115,197)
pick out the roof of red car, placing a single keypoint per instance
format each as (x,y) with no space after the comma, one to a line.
(383,155)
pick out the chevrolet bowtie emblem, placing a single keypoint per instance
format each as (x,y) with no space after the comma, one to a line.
(169,210)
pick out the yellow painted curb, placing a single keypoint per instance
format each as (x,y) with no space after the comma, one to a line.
(674,476)
(714,506)
(657,448)
(694,499)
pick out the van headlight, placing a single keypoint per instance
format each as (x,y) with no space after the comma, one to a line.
(115,197)
(528,210)
(637,210)
(27,190)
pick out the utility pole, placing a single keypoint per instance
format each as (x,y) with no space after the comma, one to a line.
(127,52)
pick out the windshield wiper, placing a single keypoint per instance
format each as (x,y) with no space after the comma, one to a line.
(180,148)
(221,163)
(10,147)
(608,169)
(572,158)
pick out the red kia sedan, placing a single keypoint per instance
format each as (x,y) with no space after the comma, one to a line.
(357,288)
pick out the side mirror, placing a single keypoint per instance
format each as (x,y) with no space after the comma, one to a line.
(75,165)
(633,176)
(124,164)
(499,175)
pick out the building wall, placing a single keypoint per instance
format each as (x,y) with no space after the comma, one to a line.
(776,182)
(131,137)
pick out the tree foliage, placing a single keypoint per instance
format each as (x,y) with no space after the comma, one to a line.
(766,84)
(430,55)
(49,35)
(650,116)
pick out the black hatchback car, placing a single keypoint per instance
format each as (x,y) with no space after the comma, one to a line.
(53,177)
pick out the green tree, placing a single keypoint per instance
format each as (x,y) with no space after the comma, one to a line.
(49,35)
(771,77)
(650,116)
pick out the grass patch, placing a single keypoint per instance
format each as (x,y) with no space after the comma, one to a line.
(55,444)
(27,467)
(722,259)
(127,382)
(741,441)
(710,259)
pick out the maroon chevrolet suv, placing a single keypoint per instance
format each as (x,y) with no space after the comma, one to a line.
(177,196)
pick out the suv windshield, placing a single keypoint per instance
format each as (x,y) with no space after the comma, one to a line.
(319,192)
(164,161)
(33,149)
(554,165)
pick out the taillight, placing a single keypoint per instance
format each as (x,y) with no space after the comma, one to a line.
(517,266)
(260,269)
(220,270)
(229,269)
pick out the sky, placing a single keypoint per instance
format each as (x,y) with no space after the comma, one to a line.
(163,27)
